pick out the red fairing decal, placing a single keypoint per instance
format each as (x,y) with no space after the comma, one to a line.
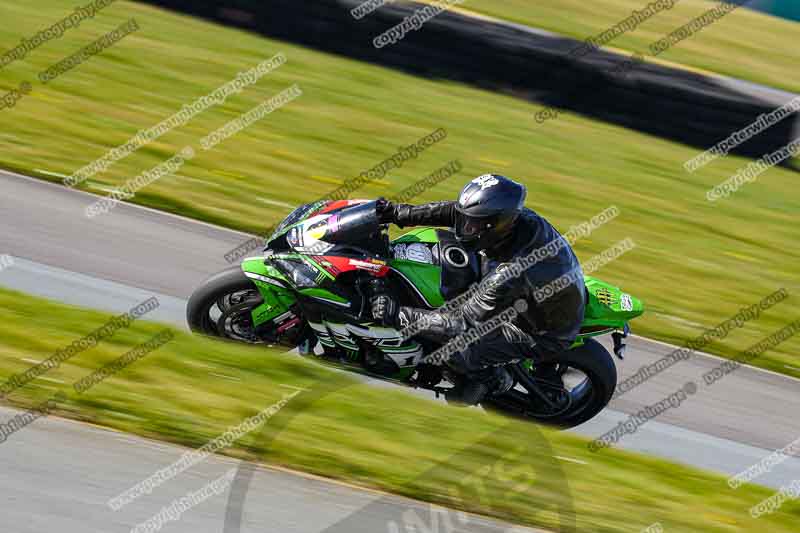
(339,204)
(332,206)
(335,265)
(330,267)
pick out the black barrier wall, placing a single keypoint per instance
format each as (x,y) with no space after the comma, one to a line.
(690,108)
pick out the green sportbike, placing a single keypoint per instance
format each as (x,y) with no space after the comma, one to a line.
(310,291)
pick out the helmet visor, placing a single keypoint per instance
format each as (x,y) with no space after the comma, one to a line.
(470,228)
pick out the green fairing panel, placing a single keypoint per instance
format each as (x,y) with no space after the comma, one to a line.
(277,300)
(608,305)
(426,235)
(425,277)
(256,265)
(324,294)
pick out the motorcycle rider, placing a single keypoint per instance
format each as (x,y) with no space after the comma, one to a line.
(489,217)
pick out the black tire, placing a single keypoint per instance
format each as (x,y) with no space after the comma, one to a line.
(593,360)
(205,297)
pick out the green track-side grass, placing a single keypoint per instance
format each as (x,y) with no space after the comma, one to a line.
(192,389)
(744,44)
(695,264)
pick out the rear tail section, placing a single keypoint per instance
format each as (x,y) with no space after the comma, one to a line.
(608,305)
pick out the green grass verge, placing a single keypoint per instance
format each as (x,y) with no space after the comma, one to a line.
(192,389)
(695,265)
(745,44)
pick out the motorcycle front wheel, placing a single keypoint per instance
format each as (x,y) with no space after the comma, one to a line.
(220,306)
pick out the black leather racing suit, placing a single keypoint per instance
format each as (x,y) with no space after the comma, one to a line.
(544,330)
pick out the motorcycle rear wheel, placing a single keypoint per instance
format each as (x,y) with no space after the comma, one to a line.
(543,402)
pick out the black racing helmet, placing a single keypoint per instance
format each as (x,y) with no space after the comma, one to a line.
(486,210)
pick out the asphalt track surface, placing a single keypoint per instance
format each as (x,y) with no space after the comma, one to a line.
(58,474)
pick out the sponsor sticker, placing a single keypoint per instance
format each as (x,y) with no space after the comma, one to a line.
(486,181)
(419,252)
(605,297)
(365,265)
(626,302)
(400,251)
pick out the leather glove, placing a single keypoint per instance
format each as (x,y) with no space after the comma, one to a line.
(385,210)
(385,310)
